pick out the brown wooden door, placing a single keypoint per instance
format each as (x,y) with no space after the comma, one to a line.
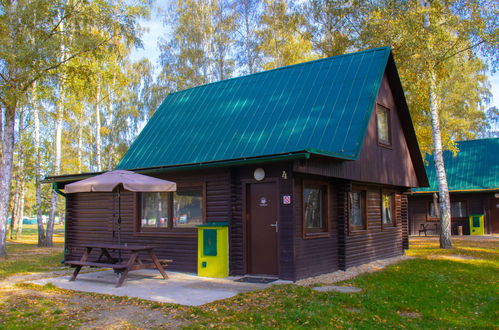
(261,228)
(494,215)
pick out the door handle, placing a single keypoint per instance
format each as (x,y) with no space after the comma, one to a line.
(276,225)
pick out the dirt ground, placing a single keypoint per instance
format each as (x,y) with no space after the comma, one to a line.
(83,310)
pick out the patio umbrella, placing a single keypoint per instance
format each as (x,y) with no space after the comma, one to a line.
(130,181)
(113,181)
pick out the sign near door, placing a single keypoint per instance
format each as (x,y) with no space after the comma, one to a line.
(264,201)
(286,199)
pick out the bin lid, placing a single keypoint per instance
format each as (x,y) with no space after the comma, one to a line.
(214,224)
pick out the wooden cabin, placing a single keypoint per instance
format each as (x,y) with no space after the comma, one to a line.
(309,164)
(473,180)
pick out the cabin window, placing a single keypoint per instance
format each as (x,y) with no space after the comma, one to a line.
(383,121)
(357,208)
(188,207)
(170,211)
(458,209)
(388,208)
(314,209)
(434,210)
(155,210)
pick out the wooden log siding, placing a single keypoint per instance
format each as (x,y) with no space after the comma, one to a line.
(236,241)
(343,188)
(404,217)
(89,220)
(287,226)
(376,242)
(317,255)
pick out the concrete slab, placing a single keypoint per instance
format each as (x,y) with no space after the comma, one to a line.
(179,288)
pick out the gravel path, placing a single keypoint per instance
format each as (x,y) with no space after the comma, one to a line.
(352,272)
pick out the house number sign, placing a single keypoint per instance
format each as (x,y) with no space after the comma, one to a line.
(286,199)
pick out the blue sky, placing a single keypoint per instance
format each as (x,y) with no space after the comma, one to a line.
(156,30)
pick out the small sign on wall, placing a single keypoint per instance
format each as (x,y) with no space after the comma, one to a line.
(286,199)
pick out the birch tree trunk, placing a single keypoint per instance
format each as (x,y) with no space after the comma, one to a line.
(1,128)
(443,188)
(80,142)
(249,57)
(111,128)
(57,163)
(6,172)
(97,128)
(19,232)
(19,179)
(38,186)
(13,213)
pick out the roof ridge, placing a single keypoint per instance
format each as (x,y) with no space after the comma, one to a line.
(285,67)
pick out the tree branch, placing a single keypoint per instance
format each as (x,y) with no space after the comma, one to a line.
(460,51)
(57,65)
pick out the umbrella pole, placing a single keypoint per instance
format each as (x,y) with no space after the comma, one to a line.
(114,216)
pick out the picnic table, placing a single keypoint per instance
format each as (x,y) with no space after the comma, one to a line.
(122,267)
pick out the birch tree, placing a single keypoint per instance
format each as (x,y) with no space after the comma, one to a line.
(23,63)
(282,41)
(333,25)
(198,49)
(248,18)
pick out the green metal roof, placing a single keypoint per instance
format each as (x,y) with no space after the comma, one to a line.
(474,167)
(321,107)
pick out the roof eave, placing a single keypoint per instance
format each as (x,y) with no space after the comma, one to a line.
(186,167)
(477,190)
(406,122)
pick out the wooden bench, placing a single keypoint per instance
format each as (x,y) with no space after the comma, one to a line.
(94,264)
(423,228)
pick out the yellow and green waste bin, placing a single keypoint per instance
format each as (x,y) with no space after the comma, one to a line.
(476,224)
(213,249)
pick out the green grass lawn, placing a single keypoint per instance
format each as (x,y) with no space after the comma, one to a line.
(24,257)
(455,288)
(434,290)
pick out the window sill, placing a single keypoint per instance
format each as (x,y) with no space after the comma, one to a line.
(385,145)
(190,234)
(315,235)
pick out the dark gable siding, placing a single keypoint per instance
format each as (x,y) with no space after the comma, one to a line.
(377,242)
(376,164)
(316,256)
(89,219)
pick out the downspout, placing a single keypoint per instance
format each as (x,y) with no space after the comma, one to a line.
(55,187)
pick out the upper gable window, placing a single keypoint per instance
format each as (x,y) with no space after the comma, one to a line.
(383,121)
